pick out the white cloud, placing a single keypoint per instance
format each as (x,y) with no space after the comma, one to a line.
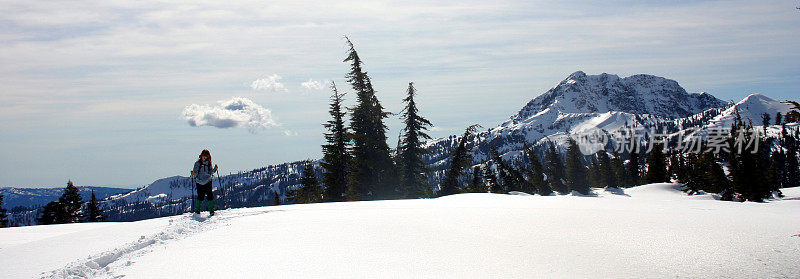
(312,85)
(236,112)
(270,83)
(289,133)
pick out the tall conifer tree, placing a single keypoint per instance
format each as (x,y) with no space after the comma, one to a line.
(309,190)
(536,174)
(461,160)
(491,180)
(372,171)
(71,203)
(633,174)
(607,176)
(510,177)
(51,213)
(335,157)
(791,165)
(618,169)
(657,165)
(575,170)
(477,185)
(746,168)
(414,183)
(555,170)
(94,213)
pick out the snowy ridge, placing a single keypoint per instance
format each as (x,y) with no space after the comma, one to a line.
(164,186)
(750,110)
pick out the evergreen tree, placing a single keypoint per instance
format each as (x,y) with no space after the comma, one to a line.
(765,118)
(491,180)
(778,118)
(607,176)
(709,175)
(309,190)
(510,177)
(476,185)
(618,170)
(461,160)
(794,112)
(335,157)
(3,214)
(675,166)
(791,171)
(412,167)
(778,160)
(746,167)
(536,174)
(575,170)
(372,171)
(95,214)
(690,176)
(633,172)
(555,170)
(656,165)
(276,198)
(71,204)
(503,180)
(51,213)
(595,178)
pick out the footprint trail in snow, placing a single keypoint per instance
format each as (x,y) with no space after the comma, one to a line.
(104,264)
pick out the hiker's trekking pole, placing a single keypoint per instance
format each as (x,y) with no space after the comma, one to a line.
(221,190)
(191,181)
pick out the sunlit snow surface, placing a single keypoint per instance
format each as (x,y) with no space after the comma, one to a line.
(650,231)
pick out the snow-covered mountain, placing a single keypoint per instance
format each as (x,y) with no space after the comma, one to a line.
(583,103)
(637,94)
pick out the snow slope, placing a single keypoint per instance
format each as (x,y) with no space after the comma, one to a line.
(750,110)
(647,231)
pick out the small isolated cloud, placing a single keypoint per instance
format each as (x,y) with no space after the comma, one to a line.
(236,112)
(312,85)
(289,133)
(271,83)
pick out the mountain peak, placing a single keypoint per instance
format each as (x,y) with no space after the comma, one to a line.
(638,94)
(578,75)
(756,97)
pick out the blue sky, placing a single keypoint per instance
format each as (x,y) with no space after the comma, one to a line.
(100,91)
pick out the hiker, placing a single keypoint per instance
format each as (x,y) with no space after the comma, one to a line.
(202,173)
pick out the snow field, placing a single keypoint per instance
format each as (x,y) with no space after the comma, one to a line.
(649,231)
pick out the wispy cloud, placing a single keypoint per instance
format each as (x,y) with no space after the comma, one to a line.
(236,112)
(289,133)
(312,85)
(271,83)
